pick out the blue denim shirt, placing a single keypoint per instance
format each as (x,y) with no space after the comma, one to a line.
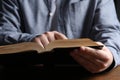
(22,20)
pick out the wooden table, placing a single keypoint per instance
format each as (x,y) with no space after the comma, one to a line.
(111,75)
(22,72)
(53,73)
(84,75)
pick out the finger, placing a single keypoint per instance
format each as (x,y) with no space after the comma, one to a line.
(59,35)
(87,57)
(95,53)
(44,40)
(100,64)
(99,43)
(50,36)
(97,57)
(38,41)
(84,62)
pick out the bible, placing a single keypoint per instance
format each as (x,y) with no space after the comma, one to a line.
(54,51)
(57,44)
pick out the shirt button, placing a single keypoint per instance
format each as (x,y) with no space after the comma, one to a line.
(51,14)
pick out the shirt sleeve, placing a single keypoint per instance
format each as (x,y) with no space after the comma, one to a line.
(10,24)
(107,28)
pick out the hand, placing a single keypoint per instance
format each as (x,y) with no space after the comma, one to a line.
(47,37)
(93,60)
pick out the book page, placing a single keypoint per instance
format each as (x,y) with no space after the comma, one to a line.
(20,47)
(29,46)
(69,43)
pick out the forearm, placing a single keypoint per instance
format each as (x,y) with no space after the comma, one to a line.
(107,29)
(14,37)
(11,30)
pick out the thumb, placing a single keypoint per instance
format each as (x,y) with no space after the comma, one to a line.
(59,35)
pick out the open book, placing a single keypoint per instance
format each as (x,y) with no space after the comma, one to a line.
(57,44)
(56,52)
